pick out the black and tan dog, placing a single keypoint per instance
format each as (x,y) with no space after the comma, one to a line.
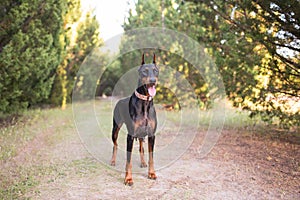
(138,113)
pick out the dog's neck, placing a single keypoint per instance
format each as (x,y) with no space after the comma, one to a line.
(146,100)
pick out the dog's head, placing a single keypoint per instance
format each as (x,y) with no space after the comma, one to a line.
(148,75)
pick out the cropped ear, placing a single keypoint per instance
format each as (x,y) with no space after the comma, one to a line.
(143,60)
(154,58)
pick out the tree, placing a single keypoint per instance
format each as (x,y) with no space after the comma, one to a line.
(29,51)
(42,44)
(80,37)
(256,45)
(162,14)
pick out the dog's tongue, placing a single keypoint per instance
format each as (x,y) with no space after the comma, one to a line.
(152,91)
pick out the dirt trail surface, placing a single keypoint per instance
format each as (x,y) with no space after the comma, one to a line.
(241,165)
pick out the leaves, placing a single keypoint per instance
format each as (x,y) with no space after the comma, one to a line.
(255,45)
(41,52)
(28,54)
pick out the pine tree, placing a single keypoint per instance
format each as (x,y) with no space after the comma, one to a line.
(29,51)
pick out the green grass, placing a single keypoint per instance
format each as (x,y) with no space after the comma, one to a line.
(16,133)
(17,178)
(236,119)
(57,126)
(233,118)
(15,188)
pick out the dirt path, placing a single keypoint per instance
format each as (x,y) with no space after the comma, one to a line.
(241,166)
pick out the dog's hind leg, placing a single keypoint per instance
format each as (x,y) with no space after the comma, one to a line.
(151,171)
(143,163)
(128,176)
(115,132)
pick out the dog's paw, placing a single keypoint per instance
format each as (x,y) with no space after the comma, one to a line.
(152,175)
(113,163)
(144,165)
(128,181)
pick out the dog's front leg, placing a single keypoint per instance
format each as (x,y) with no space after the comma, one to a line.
(128,168)
(151,171)
(143,163)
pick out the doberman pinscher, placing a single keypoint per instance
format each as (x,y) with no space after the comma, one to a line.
(138,113)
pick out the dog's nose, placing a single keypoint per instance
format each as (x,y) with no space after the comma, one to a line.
(152,80)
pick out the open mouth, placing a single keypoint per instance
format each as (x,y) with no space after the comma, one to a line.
(151,89)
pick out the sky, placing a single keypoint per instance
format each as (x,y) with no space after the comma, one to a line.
(110,14)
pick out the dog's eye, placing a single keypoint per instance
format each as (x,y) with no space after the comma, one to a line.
(146,71)
(155,70)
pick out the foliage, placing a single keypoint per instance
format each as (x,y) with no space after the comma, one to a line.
(42,44)
(87,78)
(109,77)
(77,47)
(255,45)
(162,13)
(29,51)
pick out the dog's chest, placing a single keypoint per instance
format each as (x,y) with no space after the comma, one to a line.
(144,126)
